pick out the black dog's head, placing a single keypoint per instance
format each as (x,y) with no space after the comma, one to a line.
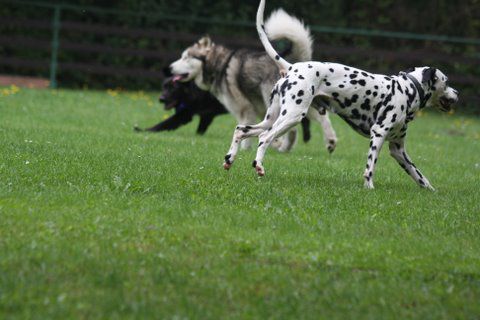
(174,93)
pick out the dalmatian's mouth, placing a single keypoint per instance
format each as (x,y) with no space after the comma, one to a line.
(180,77)
(446,104)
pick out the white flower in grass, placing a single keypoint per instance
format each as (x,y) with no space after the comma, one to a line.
(27,162)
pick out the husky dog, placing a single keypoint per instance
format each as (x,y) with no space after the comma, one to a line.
(242,80)
(188,101)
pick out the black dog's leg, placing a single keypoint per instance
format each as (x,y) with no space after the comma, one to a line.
(306,130)
(178,119)
(205,122)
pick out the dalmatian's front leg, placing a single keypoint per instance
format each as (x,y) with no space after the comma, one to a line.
(399,153)
(378,136)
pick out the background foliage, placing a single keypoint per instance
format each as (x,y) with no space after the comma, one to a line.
(234,19)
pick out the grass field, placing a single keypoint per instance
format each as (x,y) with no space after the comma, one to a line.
(98,222)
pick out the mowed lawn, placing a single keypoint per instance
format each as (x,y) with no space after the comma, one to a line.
(99,222)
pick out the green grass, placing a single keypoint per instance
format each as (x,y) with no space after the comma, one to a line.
(98,222)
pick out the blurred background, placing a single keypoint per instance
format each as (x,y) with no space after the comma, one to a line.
(126,43)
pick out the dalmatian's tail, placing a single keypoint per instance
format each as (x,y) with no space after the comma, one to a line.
(280,25)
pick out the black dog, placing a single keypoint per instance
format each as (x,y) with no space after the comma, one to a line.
(188,100)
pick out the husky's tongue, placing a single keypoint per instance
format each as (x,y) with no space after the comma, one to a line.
(177,78)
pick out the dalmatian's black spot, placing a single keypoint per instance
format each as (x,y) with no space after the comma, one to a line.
(347,103)
(355,98)
(364,74)
(369,92)
(341,86)
(331,70)
(313,90)
(277,57)
(310,66)
(290,69)
(268,117)
(260,144)
(293,97)
(364,117)
(301,77)
(376,87)
(377,135)
(300,93)
(394,118)
(227,159)
(296,70)
(254,163)
(354,82)
(346,68)
(299,101)
(382,96)
(356,72)
(362,82)
(356,114)
(284,112)
(328,84)
(335,94)
(384,115)
(318,74)
(375,94)
(353,76)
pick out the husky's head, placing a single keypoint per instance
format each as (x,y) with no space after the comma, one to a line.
(435,82)
(190,65)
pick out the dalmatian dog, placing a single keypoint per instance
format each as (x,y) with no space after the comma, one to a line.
(376,106)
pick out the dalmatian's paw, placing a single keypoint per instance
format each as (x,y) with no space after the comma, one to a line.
(428,186)
(259,168)
(369,185)
(331,145)
(228,162)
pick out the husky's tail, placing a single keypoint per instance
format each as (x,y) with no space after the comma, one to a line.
(280,25)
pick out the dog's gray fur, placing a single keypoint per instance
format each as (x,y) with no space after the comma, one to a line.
(242,80)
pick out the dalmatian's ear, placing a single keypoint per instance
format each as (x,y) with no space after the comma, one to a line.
(429,74)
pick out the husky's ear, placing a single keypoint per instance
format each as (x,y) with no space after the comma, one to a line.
(429,74)
(205,42)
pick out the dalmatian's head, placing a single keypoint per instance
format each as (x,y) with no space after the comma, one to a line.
(436,86)
(190,65)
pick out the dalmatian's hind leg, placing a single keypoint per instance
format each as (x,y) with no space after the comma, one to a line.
(289,118)
(243,132)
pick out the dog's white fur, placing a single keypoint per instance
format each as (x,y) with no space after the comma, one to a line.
(375,105)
